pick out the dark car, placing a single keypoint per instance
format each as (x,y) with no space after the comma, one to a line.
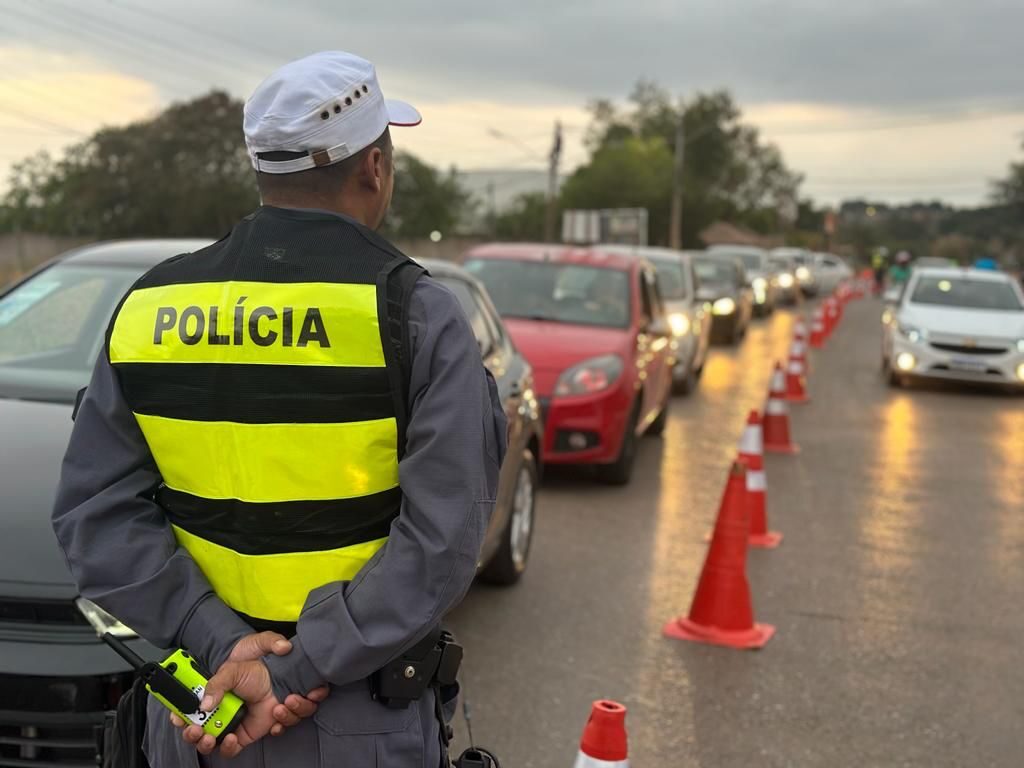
(56,677)
(722,282)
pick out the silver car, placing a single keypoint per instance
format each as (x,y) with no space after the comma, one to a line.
(688,316)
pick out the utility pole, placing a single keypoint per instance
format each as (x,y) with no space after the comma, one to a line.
(492,214)
(556,154)
(675,227)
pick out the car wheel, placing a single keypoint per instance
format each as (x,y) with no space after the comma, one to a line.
(509,563)
(621,470)
(658,425)
(687,384)
(894,378)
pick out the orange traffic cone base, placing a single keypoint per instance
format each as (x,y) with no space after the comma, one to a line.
(684,629)
(769,540)
(798,398)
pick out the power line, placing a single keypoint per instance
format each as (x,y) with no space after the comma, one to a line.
(178,48)
(76,33)
(40,121)
(246,46)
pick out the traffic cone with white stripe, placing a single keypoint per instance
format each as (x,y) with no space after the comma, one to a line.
(604,737)
(832,313)
(818,329)
(722,612)
(796,391)
(800,330)
(776,416)
(752,457)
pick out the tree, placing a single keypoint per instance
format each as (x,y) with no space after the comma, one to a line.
(425,199)
(636,172)
(183,173)
(524,220)
(1010,190)
(728,173)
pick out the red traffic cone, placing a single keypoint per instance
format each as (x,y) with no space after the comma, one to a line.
(818,329)
(752,457)
(722,612)
(831,315)
(776,416)
(796,392)
(800,330)
(604,737)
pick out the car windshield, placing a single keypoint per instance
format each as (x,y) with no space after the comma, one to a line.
(561,293)
(52,326)
(780,263)
(671,281)
(965,293)
(752,262)
(715,271)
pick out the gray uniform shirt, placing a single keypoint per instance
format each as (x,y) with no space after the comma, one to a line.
(121,550)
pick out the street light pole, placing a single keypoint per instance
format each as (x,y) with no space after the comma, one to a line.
(675,227)
(556,153)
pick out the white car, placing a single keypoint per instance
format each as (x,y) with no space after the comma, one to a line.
(803,262)
(830,271)
(961,324)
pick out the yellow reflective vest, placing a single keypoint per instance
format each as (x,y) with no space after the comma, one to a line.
(265,373)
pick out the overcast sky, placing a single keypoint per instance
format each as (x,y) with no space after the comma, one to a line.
(898,100)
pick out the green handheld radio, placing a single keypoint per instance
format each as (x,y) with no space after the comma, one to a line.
(178,682)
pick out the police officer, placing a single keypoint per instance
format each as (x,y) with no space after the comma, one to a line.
(286,458)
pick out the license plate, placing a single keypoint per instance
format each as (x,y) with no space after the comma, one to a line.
(970,366)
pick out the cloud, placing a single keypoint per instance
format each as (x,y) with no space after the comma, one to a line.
(808,71)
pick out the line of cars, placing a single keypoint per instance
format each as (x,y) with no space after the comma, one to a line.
(587,346)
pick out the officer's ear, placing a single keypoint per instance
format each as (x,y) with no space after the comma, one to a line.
(373,169)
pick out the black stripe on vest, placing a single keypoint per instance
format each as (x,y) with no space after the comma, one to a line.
(251,528)
(257,394)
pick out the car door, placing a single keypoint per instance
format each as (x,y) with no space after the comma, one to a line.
(512,375)
(653,361)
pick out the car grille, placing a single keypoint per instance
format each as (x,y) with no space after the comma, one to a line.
(14,611)
(35,740)
(962,349)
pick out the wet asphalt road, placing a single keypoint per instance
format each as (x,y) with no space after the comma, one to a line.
(897,591)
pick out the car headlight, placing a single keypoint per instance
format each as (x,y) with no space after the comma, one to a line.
(759,284)
(102,621)
(594,375)
(803,274)
(786,280)
(912,333)
(724,306)
(680,323)
(887,317)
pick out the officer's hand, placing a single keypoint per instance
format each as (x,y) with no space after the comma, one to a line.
(296,708)
(250,681)
(258,645)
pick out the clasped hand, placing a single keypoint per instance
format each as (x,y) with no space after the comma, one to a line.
(247,676)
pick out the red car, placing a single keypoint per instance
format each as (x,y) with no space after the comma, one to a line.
(592,325)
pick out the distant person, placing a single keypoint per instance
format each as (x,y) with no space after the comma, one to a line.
(878,268)
(899,272)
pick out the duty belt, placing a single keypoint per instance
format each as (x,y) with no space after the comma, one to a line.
(431,663)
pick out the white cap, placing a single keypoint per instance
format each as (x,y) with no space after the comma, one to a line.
(328,105)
